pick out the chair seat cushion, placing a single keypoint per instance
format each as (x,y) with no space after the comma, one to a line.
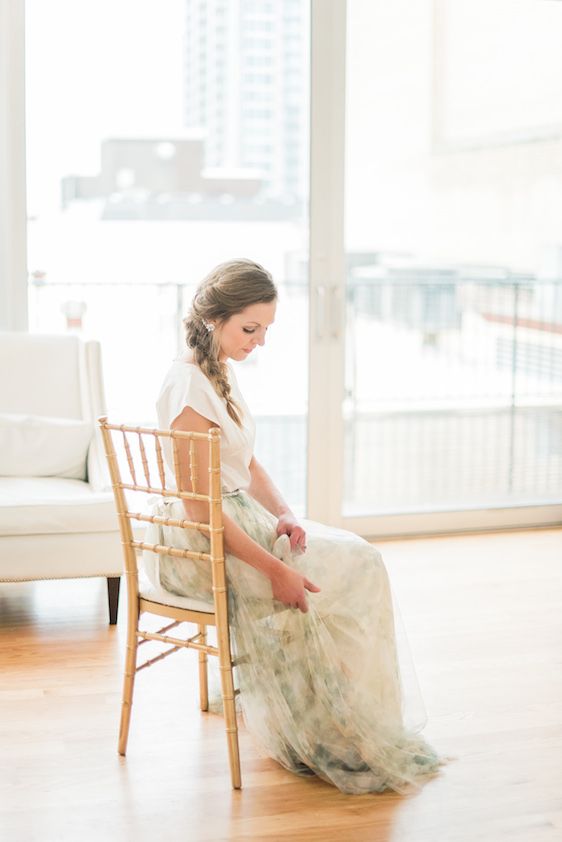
(157,594)
(40,505)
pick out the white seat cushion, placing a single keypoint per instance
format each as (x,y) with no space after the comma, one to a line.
(55,556)
(39,505)
(157,594)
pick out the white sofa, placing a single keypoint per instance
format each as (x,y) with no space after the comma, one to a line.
(57,511)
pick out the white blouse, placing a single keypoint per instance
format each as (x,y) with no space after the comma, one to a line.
(186,385)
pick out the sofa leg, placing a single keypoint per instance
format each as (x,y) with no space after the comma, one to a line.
(113,584)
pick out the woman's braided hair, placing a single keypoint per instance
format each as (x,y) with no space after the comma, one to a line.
(228,289)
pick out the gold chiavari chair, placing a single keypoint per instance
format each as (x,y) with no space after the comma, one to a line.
(216,615)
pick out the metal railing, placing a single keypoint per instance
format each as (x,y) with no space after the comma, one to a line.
(453,391)
(453,382)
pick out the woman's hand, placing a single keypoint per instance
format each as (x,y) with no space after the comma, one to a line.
(289,587)
(288,525)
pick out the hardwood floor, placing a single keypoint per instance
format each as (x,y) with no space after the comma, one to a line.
(484,623)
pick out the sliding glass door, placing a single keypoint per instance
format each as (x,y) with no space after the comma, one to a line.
(438,310)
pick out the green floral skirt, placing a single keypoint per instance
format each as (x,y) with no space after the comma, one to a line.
(330,692)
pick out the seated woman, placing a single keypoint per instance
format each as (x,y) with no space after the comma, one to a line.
(322,687)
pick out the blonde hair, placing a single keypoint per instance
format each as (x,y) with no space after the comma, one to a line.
(228,289)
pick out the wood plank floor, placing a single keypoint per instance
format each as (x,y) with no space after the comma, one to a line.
(484,621)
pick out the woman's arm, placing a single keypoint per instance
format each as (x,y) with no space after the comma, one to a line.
(265,492)
(288,585)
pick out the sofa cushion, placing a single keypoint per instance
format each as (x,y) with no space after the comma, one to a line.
(41,446)
(39,505)
(27,557)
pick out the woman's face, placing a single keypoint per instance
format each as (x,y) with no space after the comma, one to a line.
(239,335)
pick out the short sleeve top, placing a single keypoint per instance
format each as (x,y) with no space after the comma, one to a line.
(186,385)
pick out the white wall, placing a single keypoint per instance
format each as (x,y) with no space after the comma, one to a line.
(498,201)
(13,272)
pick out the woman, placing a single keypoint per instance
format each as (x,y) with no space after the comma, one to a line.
(321,688)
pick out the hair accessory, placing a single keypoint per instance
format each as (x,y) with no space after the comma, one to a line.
(209,326)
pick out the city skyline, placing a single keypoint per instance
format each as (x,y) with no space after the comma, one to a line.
(246,81)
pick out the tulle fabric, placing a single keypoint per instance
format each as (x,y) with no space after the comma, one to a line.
(333,691)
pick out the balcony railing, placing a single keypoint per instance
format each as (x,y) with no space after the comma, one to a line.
(453,385)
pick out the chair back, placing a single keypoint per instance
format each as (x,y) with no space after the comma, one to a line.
(142,463)
(148,446)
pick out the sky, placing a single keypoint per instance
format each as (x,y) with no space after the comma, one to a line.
(94,70)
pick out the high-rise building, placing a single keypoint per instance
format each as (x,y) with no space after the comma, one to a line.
(246,85)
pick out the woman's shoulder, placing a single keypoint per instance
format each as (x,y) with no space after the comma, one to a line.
(185,363)
(185,384)
(187,358)
(185,371)
(182,373)
(187,367)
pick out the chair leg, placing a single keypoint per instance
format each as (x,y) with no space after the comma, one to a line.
(128,688)
(113,585)
(203,675)
(229,706)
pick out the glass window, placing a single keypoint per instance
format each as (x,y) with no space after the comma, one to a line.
(134,195)
(454,255)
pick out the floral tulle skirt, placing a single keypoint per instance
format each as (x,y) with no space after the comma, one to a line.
(333,691)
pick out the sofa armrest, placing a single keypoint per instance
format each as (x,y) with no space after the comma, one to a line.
(98,471)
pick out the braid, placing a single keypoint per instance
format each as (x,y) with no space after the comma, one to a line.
(206,357)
